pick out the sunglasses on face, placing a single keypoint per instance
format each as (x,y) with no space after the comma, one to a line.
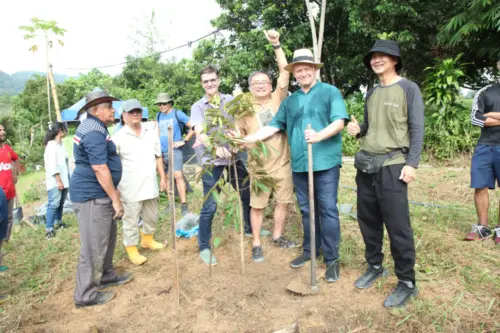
(135,112)
(162,104)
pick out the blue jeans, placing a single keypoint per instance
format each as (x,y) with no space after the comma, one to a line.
(326,213)
(210,206)
(55,206)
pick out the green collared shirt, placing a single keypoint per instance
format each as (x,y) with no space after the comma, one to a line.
(320,107)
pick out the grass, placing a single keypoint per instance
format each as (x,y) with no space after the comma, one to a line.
(459,282)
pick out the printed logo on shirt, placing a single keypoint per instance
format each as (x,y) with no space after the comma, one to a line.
(164,124)
(394,104)
(76,140)
(264,117)
(5,166)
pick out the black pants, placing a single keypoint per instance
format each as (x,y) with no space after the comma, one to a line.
(383,199)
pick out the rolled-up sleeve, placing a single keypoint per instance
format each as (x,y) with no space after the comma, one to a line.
(197,116)
(337,106)
(279,120)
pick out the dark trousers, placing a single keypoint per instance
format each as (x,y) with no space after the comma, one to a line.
(326,214)
(97,246)
(210,206)
(383,199)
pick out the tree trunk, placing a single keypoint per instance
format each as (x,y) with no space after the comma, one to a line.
(48,68)
(54,94)
(313,33)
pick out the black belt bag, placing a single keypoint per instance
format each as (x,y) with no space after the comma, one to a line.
(370,163)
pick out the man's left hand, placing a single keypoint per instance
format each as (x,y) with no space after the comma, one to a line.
(312,136)
(272,36)
(407,174)
(179,144)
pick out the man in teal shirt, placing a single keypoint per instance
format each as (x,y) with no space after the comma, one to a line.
(322,106)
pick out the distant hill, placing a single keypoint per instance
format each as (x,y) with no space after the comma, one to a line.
(14,84)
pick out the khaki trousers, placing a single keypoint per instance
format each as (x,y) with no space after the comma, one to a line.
(147,210)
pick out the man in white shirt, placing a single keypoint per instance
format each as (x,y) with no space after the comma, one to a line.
(138,146)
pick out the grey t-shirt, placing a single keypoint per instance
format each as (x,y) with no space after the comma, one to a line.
(198,118)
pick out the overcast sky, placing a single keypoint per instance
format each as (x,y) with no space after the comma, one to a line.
(98,31)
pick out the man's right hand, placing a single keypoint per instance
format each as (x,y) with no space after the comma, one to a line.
(272,36)
(223,152)
(118,207)
(353,127)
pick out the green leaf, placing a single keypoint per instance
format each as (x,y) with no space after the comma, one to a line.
(216,242)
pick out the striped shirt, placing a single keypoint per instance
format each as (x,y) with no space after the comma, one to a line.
(92,145)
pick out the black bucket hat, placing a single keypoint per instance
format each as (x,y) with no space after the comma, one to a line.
(389,47)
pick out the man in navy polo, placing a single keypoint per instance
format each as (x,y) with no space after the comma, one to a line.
(93,191)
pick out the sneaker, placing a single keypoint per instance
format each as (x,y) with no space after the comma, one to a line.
(4,298)
(184,209)
(300,261)
(50,234)
(400,296)
(205,256)
(263,233)
(118,280)
(257,255)
(371,275)
(60,226)
(496,236)
(332,273)
(284,243)
(102,297)
(478,232)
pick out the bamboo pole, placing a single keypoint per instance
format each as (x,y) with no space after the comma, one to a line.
(240,215)
(54,94)
(47,76)
(172,207)
(312,221)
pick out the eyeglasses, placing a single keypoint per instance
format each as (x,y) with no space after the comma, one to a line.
(209,81)
(260,83)
(160,104)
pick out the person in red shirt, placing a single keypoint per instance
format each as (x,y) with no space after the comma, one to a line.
(9,166)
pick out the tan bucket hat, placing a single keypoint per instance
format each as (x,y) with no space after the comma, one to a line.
(302,56)
(163,98)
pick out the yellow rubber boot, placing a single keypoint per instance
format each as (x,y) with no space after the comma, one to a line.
(134,256)
(149,243)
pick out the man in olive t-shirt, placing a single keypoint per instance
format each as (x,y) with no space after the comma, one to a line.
(393,129)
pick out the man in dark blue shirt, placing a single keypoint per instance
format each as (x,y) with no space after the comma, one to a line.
(93,192)
(485,165)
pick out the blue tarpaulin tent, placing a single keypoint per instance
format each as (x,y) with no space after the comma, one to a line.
(69,114)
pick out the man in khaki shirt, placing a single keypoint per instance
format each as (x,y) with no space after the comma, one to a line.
(277,163)
(138,146)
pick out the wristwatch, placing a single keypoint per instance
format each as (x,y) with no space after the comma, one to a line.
(276,46)
(186,142)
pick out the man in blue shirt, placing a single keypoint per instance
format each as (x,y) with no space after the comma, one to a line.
(321,105)
(93,192)
(179,120)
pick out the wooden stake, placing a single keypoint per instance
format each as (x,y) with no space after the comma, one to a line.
(240,215)
(312,221)
(54,94)
(172,207)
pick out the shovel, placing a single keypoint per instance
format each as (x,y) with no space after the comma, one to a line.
(299,287)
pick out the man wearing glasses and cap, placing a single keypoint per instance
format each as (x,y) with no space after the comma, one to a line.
(321,105)
(138,146)
(179,121)
(485,167)
(391,138)
(93,192)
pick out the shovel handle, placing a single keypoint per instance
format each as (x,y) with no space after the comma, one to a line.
(312,222)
